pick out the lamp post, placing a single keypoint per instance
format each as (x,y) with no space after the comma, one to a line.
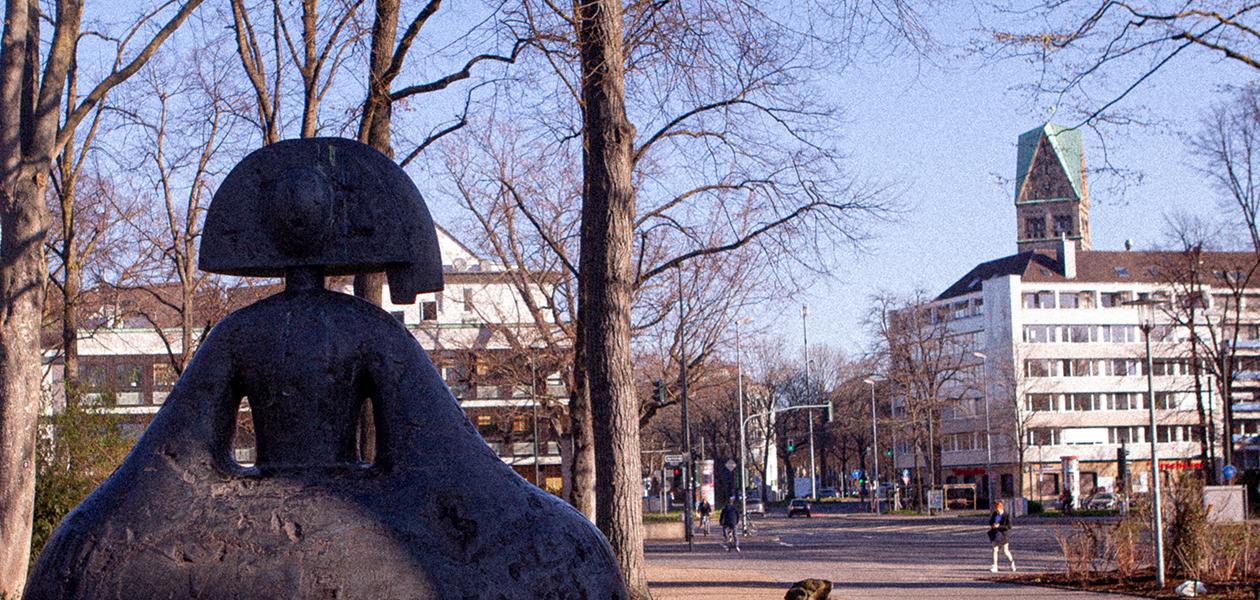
(689,480)
(1146,322)
(743,444)
(533,391)
(988,427)
(874,444)
(813,477)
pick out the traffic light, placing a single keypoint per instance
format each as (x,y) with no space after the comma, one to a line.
(676,479)
(658,392)
(888,453)
(791,445)
(829,413)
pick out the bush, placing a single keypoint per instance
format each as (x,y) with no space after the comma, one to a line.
(78,448)
(1035,507)
(1187,528)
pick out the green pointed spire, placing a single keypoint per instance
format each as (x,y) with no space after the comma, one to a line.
(1067,147)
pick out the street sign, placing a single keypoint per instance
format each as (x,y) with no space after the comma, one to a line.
(675,459)
(731,464)
(855,475)
(1229,472)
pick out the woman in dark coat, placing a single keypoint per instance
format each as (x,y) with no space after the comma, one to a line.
(999,534)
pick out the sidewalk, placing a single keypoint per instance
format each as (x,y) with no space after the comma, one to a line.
(680,583)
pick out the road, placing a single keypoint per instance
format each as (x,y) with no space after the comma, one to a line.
(867,556)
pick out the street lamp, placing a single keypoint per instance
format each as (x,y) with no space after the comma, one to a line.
(813,477)
(988,428)
(1146,322)
(743,444)
(874,443)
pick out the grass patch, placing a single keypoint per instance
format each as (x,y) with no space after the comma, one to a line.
(673,516)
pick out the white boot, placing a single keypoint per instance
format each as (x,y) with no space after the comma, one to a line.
(993,569)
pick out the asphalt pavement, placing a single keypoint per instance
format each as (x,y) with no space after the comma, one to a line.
(866,556)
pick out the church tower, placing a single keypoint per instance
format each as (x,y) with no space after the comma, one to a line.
(1051,198)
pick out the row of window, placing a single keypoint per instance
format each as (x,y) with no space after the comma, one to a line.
(957,310)
(1107,401)
(1082,367)
(1079,299)
(1095,299)
(1106,367)
(1035,227)
(963,442)
(1082,334)
(1136,434)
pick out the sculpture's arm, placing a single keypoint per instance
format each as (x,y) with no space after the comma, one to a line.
(416,416)
(198,419)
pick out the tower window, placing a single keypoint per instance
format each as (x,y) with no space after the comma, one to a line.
(1034,228)
(1062,225)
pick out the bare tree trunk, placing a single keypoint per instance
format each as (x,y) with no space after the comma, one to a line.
(606,286)
(23,217)
(582,466)
(22,272)
(30,137)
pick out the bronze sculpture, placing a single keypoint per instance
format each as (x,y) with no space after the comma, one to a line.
(181,519)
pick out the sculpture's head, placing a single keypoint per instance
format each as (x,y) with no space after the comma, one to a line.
(327,202)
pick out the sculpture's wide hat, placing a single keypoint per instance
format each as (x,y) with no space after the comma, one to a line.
(328,202)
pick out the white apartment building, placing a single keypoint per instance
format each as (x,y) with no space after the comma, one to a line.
(473,330)
(1054,360)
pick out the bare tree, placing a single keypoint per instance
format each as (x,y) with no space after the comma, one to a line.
(606,285)
(728,160)
(925,364)
(33,132)
(181,119)
(85,209)
(1228,148)
(1108,49)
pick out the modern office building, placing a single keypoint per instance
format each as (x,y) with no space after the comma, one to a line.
(1052,358)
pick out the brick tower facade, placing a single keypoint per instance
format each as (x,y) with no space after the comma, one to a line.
(1051,196)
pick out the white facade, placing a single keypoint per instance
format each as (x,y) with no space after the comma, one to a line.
(1063,372)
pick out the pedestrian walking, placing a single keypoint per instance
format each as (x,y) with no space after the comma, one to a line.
(705,509)
(729,519)
(999,534)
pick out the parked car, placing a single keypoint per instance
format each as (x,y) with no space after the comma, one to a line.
(1103,501)
(755,505)
(799,506)
(828,492)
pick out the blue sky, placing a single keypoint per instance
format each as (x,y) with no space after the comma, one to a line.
(947,131)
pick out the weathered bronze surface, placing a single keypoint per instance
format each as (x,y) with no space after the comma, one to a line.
(437,515)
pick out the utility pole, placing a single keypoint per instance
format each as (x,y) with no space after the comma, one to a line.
(689,474)
(813,478)
(1146,322)
(988,429)
(533,391)
(743,444)
(874,444)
